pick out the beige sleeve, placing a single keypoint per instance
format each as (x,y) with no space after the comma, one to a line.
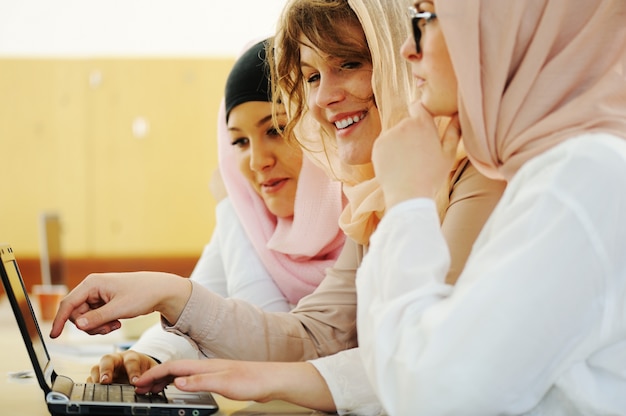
(472,199)
(322,323)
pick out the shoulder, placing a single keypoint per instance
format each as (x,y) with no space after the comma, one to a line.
(225,213)
(582,159)
(468,182)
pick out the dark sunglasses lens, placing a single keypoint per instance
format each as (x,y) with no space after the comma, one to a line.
(417,34)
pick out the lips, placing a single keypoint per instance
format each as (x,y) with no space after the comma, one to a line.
(346,122)
(273,185)
(419,80)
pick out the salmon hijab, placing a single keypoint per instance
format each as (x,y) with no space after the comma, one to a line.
(534,73)
(296,251)
(386,26)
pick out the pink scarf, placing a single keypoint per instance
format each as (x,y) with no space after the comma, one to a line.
(532,74)
(295,251)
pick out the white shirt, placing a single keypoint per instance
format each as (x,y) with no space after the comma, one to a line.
(230,267)
(536,323)
(345,376)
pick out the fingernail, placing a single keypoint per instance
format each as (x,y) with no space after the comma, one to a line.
(103,378)
(134,380)
(82,322)
(181,381)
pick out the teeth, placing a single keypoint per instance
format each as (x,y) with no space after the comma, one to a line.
(342,124)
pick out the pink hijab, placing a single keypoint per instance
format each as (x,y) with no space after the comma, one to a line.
(295,251)
(534,73)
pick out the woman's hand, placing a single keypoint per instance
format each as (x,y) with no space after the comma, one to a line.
(297,383)
(98,303)
(411,160)
(122,367)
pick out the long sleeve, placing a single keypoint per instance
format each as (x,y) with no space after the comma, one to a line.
(165,346)
(228,267)
(322,323)
(472,199)
(245,276)
(535,322)
(345,376)
(209,272)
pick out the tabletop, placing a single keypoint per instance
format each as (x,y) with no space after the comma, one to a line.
(73,354)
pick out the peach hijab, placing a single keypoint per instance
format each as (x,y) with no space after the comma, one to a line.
(386,26)
(508,54)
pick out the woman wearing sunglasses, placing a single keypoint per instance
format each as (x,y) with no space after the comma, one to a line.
(342,90)
(535,324)
(342,83)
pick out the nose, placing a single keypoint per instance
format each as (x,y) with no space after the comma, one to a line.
(329,91)
(261,156)
(408,49)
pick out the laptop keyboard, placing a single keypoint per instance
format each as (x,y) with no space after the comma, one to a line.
(124,393)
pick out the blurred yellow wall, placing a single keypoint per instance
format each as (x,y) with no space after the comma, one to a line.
(67,145)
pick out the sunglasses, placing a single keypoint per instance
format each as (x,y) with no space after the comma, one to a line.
(418,20)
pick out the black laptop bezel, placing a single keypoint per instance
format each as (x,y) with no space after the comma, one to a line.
(6,254)
(64,406)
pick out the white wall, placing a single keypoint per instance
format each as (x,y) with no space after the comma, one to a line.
(83,28)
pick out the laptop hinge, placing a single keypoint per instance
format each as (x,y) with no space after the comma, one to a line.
(61,390)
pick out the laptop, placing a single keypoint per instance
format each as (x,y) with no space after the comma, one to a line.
(66,397)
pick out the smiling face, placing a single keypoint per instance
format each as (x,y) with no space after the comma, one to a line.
(432,67)
(339,96)
(271,165)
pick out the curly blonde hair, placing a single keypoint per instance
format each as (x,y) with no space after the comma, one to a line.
(329,27)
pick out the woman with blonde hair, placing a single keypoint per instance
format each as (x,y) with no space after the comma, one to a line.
(342,83)
(274,196)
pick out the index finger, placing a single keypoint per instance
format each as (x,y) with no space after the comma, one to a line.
(166,372)
(75,307)
(66,308)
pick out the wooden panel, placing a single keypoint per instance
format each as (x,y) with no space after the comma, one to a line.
(78,268)
(68,146)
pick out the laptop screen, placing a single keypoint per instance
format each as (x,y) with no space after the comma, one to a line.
(14,287)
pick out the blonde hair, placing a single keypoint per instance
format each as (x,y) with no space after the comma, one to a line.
(366,31)
(327,25)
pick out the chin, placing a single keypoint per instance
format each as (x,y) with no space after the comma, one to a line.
(280,211)
(355,159)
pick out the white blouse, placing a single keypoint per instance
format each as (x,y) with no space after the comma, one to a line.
(536,323)
(230,267)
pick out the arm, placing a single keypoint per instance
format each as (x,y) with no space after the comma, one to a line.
(427,347)
(345,377)
(228,266)
(155,343)
(321,324)
(98,303)
(242,380)
(472,200)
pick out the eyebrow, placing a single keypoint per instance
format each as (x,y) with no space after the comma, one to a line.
(418,4)
(264,120)
(304,64)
